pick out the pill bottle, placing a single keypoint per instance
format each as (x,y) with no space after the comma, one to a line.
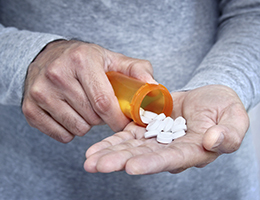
(133,94)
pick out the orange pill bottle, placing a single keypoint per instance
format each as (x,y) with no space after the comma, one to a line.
(133,94)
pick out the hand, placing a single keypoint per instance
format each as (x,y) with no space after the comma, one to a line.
(67,91)
(216,120)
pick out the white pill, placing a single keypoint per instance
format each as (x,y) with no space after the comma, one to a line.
(141,111)
(160,117)
(145,120)
(164,137)
(150,134)
(179,120)
(178,127)
(168,124)
(178,134)
(149,114)
(153,125)
(161,125)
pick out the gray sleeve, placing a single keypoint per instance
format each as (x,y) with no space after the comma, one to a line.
(17,50)
(234,60)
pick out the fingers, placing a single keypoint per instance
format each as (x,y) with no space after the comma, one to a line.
(44,95)
(67,80)
(117,142)
(101,95)
(222,139)
(114,158)
(110,141)
(56,112)
(137,68)
(99,89)
(131,131)
(128,151)
(66,116)
(148,157)
(217,125)
(227,136)
(41,120)
(69,88)
(175,159)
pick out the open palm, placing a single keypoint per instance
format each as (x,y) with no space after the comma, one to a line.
(216,120)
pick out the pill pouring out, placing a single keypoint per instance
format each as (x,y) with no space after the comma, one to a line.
(165,129)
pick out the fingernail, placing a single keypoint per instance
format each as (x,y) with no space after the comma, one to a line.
(152,81)
(219,141)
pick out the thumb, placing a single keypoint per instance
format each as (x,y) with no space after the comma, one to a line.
(136,68)
(143,71)
(222,139)
(227,135)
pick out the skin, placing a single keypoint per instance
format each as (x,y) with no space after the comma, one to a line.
(67,91)
(217,122)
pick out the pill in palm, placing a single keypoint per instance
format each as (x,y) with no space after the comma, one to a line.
(153,125)
(164,137)
(168,124)
(161,125)
(150,134)
(149,114)
(145,120)
(179,120)
(178,127)
(160,117)
(165,128)
(178,134)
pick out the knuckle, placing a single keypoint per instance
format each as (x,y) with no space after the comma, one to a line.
(38,94)
(144,64)
(81,130)
(54,72)
(91,117)
(147,63)
(28,111)
(102,103)
(75,126)
(95,120)
(77,54)
(148,66)
(85,53)
(34,116)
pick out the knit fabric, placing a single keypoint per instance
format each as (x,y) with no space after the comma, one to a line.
(189,43)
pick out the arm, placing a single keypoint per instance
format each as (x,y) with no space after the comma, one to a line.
(216,117)
(66,91)
(234,59)
(18,49)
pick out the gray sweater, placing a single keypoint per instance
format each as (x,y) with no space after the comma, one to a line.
(189,43)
